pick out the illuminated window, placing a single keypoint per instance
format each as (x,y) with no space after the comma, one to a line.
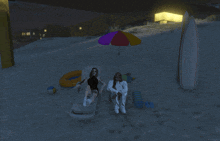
(33,33)
(43,35)
(40,38)
(28,34)
(80,28)
(23,34)
(45,30)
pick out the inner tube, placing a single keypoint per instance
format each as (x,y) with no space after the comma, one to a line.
(70,79)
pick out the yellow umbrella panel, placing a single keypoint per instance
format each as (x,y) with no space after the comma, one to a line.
(132,39)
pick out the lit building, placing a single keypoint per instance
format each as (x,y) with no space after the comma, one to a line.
(33,33)
(28,33)
(164,17)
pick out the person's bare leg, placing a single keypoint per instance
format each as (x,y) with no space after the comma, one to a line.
(93,97)
(86,94)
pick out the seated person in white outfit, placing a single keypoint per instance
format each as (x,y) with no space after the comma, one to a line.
(118,88)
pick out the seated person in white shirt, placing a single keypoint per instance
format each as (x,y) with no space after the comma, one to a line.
(118,88)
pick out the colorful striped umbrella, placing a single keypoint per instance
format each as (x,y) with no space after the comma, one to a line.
(119,38)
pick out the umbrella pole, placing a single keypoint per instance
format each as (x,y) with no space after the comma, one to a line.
(119,51)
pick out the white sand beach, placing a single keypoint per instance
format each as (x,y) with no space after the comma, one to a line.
(29,113)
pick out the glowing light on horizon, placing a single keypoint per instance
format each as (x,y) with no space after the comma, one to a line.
(163,17)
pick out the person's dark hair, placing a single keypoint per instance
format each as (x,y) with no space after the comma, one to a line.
(97,72)
(116,74)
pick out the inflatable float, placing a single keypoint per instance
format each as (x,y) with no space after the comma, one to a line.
(70,79)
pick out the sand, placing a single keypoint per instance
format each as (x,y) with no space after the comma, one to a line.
(29,113)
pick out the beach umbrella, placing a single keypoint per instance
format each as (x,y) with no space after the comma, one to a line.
(119,38)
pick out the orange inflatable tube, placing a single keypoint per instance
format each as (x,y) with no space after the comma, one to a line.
(66,81)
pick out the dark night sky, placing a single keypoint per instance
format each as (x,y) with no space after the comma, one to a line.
(100,6)
(113,6)
(123,6)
